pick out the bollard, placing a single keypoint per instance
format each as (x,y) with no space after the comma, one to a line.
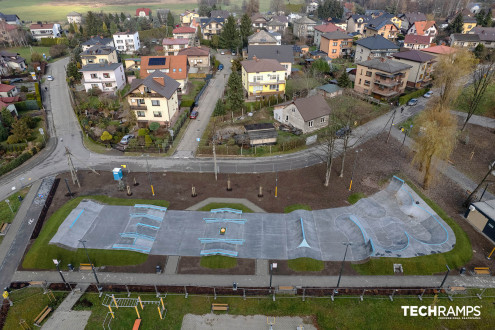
(229,188)
(129,193)
(260,192)
(193,194)
(135,182)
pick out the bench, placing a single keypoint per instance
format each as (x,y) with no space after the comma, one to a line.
(285,288)
(3,228)
(41,316)
(220,307)
(137,324)
(482,270)
(457,288)
(85,267)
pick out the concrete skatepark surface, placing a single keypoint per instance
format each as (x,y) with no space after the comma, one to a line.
(394,222)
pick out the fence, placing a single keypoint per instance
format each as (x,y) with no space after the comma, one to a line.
(246,150)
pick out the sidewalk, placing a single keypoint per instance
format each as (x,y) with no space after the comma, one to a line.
(64,317)
(476,120)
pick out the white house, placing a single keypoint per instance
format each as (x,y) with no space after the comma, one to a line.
(108,77)
(74,17)
(8,90)
(172,46)
(40,31)
(127,42)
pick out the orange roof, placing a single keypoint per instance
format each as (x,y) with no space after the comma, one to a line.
(41,26)
(421,26)
(439,50)
(176,66)
(184,29)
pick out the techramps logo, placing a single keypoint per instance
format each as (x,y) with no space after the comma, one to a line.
(444,312)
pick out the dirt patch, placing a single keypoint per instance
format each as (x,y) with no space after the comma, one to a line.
(146,267)
(191,265)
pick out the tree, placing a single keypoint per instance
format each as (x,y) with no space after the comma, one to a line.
(252,7)
(204,9)
(457,25)
(469,200)
(73,71)
(344,81)
(106,136)
(245,29)
(154,126)
(92,24)
(199,35)
(330,8)
(123,18)
(327,146)
(235,97)
(320,66)
(114,28)
(7,118)
(104,29)
(215,41)
(20,132)
(4,133)
(170,19)
(81,30)
(57,50)
(277,6)
(229,38)
(36,57)
(72,30)
(219,108)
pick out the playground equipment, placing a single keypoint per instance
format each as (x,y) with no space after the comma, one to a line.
(111,301)
(491,253)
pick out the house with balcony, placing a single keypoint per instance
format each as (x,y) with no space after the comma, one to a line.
(211,27)
(12,61)
(375,46)
(185,32)
(263,78)
(173,46)
(304,28)
(154,99)
(99,54)
(421,67)
(143,12)
(8,90)
(187,17)
(469,41)
(322,29)
(486,35)
(97,41)
(108,77)
(275,26)
(357,23)
(197,57)
(382,26)
(127,42)
(259,22)
(282,53)
(381,78)
(408,19)
(262,38)
(336,44)
(74,17)
(413,41)
(173,66)
(424,28)
(40,31)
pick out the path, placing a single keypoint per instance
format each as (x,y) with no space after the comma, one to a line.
(64,317)
(476,120)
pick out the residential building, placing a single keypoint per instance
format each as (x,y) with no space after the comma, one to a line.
(97,41)
(357,23)
(382,26)
(154,99)
(294,17)
(282,19)
(421,67)
(408,19)
(172,46)
(324,28)
(424,28)
(127,42)
(132,63)
(304,28)
(173,66)
(12,19)
(486,35)
(74,17)
(438,51)
(143,12)
(10,107)
(277,36)
(263,77)
(413,41)
(197,57)
(262,38)
(339,22)
(187,17)
(481,215)
(220,14)
(8,90)
(468,24)
(329,90)
(99,54)
(211,27)
(40,31)
(375,46)
(381,78)
(336,44)
(307,114)
(108,77)
(312,7)
(275,26)
(469,41)
(259,22)
(282,53)
(12,61)
(185,32)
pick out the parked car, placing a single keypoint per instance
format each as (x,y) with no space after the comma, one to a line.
(193,115)
(428,94)
(412,102)
(15,80)
(49,78)
(220,67)
(222,52)
(233,53)
(125,140)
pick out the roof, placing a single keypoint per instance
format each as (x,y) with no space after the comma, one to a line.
(487,207)
(74,13)
(416,39)
(195,51)
(258,16)
(184,29)
(41,26)
(330,88)
(207,20)
(125,33)
(312,107)
(467,19)
(379,22)
(439,50)
(262,65)
(146,11)
(336,35)
(465,37)
(414,55)
(281,18)
(10,99)
(363,17)
(251,127)
(329,27)
(7,26)
(9,17)
(100,67)
(220,13)
(305,20)
(421,26)
(281,53)
(485,33)
(385,65)
(177,63)
(98,41)
(262,37)
(376,42)
(135,59)
(413,17)
(6,88)
(172,41)
(98,50)
(275,23)
(166,90)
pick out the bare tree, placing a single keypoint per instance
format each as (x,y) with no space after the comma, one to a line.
(277,5)
(491,170)
(327,149)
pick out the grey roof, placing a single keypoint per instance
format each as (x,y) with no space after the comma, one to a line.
(281,53)
(305,20)
(259,126)
(414,17)
(98,50)
(385,65)
(208,20)
(467,19)
(166,90)
(365,18)
(262,65)
(9,17)
(465,37)
(98,41)
(414,55)
(376,42)
(74,13)
(336,35)
(220,13)
(281,18)
(312,107)
(330,88)
(379,22)
(100,67)
(263,37)
(487,207)
(275,23)
(485,33)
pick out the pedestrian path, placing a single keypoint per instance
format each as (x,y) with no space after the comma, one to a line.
(172,265)
(476,120)
(64,317)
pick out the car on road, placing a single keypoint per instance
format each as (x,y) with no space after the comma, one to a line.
(412,102)
(220,67)
(125,140)
(49,78)
(222,52)
(428,94)
(15,80)
(233,53)
(193,115)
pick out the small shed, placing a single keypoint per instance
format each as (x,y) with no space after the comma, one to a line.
(261,134)
(329,90)
(481,215)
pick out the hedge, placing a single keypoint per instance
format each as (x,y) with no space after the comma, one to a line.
(420,92)
(27,105)
(38,95)
(15,163)
(186,103)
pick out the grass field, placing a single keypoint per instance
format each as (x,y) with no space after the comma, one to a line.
(236,206)
(354,197)
(6,215)
(487,104)
(306,265)
(41,253)
(290,208)
(26,51)
(216,262)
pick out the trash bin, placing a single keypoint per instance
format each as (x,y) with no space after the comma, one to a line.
(158,269)
(19,198)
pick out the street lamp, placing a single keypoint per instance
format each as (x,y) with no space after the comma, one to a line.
(10,207)
(354,167)
(405,130)
(272,267)
(445,278)
(57,264)
(92,266)
(149,175)
(342,267)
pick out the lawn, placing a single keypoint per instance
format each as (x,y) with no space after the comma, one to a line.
(197,84)
(425,265)
(306,265)
(216,262)
(26,51)
(354,197)
(293,207)
(41,253)
(5,214)
(371,313)
(236,206)
(487,105)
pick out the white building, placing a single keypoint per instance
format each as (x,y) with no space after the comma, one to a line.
(108,77)
(40,31)
(127,42)
(173,46)
(74,17)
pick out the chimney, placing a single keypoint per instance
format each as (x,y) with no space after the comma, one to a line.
(159,80)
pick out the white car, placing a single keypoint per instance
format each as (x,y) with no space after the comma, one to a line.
(49,78)
(428,94)
(222,52)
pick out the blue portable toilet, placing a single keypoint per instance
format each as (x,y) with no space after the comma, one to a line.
(117,174)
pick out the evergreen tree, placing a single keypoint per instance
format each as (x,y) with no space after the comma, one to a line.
(72,30)
(73,71)
(330,8)
(170,19)
(219,108)
(229,38)
(20,132)
(81,30)
(245,29)
(104,29)
(235,97)
(457,25)
(123,18)
(480,18)
(113,28)
(344,80)
(92,25)
(7,119)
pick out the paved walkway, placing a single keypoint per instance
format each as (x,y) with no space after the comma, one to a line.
(476,120)
(64,317)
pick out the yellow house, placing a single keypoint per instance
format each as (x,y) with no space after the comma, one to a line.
(263,77)
(468,23)
(99,54)
(397,21)
(187,17)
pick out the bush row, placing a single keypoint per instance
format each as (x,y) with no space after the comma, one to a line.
(15,163)
(420,92)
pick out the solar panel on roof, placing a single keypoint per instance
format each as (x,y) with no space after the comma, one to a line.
(157,61)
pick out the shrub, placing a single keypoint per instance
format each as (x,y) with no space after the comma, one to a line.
(106,136)
(147,140)
(187,103)
(24,89)
(154,126)
(420,92)
(38,95)
(142,132)
(15,163)
(133,143)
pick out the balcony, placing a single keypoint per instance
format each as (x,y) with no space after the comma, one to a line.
(266,82)
(139,107)
(139,95)
(385,92)
(387,83)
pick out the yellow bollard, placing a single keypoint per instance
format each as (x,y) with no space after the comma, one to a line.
(111,312)
(163,305)
(115,301)
(350,186)
(160,312)
(137,312)
(140,302)
(152,190)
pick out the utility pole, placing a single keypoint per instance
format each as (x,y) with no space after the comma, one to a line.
(72,169)
(445,278)
(57,264)
(215,160)
(391,124)
(342,266)
(92,266)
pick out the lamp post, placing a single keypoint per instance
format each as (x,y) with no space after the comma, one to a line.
(445,278)
(342,266)
(57,264)
(149,175)
(405,130)
(10,207)
(273,266)
(354,167)
(92,267)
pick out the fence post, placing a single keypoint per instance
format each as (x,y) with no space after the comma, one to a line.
(244,294)
(362,295)
(421,295)
(215,294)
(304,295)
(273,296)
(157,293)
(185,290)
(392,295)
(128,292)
(481,294)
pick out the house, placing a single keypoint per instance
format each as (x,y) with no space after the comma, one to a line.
(8,90)
(486,35)
(187,17)
(375,46)
(220,14)
(154,99)
(108,77)
(413,41)
(40,31)
(468,24)
(481,215)
(173,66)
(281,19)
(324,28)
(294,17)
(11,107)
(12,61)
(424,28)
(211,27)
(336,44)
(262,38)
(421,67)
(329,90)
(143,12)
(304,28)
(12,19)
(275,26)
(263,77)
(172,46)
(261,134)
(381,78)
(198,57)
(357,23)
(74,17)
(94,41)
(127,42)
(312,7)
(277,36)
(469,41)
(99,54)
(438,51)
(282,53)
(185,32)
(307,114)
(132,63)
(259,22)
(382,26)
(408,19)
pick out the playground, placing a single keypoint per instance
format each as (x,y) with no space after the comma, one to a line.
(394,222)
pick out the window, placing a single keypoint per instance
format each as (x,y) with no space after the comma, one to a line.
(334,51)
(366,91)
(108,84)
(102,60)
(155,103)
(368,73)
(157,114)
(310,123)
(420,76)
(287,117)
(140,101)
(335,43)
(90,61)
(366,83)
(180,69)
(94,75)
(293,110)
(106,75)
(359,81)
(322,119)
(274,87)
(141,113)
(94,86)
(174,70)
